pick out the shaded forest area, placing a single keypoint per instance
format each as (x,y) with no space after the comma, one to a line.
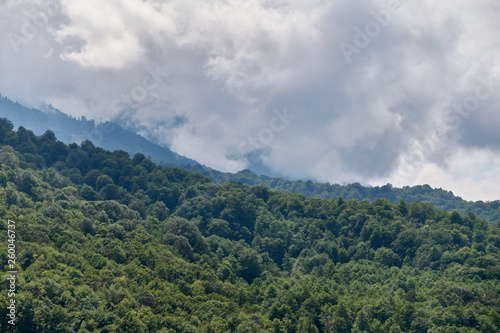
(112,243)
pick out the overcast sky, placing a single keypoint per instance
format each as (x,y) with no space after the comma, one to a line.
(404,92)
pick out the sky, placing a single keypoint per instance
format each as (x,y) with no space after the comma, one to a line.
(404,92)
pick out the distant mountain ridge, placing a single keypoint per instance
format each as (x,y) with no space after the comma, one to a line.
(112,136)
(440,198)
(107,135)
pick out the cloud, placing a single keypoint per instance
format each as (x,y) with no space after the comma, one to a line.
(373,85)
(473,173)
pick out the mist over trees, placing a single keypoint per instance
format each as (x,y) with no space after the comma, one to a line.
(112,136)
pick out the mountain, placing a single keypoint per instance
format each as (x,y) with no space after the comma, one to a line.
(107,135)
(113,136)
(105,242)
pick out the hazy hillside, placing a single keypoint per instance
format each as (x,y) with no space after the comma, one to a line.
(113,137)
(67,129)
(110,243)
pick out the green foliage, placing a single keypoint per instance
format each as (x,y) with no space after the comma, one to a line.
(107,243)
(438,197)
(3,179)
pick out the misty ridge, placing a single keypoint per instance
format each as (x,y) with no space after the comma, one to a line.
(112,136)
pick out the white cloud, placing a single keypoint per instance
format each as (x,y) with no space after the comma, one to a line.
(472,174)
(112,33)
(231,63)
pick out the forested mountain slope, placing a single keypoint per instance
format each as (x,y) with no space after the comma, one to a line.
(112,136)
(109,243)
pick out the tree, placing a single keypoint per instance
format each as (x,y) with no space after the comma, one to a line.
(88,193)
(115,230)
(26,181)
(8,157)
(77,158)
(53,211)
(6,126)
(110,192)
(250,265)
(138,158)
(3,179)
(403,207)
(159,210)
(25,135)
(220,227)
(91,178)
(182,227)
(306,325)
(88,226)
(102,181)
(11,197)
(387,257)
(421,211)
(48,136)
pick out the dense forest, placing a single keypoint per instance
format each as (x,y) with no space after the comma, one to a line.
(108,242)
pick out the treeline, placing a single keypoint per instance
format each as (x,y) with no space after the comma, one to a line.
(113,243)
(439,198)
